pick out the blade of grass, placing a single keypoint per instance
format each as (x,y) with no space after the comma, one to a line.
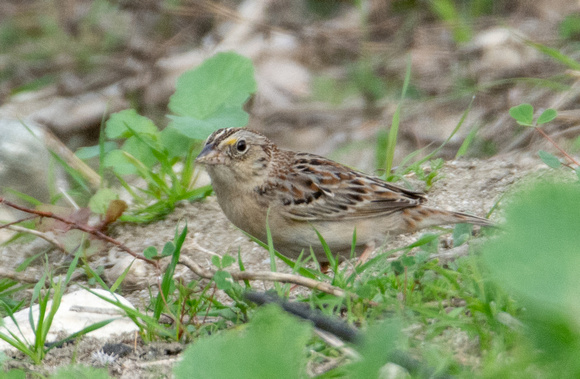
(466,142)
(167,280)
(121,277)
(82,332)
(22,196)
(430,155)
(394,131)
(555,54)
(243,268)
(102,140)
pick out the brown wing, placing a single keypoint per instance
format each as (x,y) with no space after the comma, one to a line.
(315,188)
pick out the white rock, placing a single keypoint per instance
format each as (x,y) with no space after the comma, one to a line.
(77,311)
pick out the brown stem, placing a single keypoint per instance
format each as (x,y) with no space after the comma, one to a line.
(86,229)
(557,147)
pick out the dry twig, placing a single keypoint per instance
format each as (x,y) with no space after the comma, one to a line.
(265,275)
(75,225)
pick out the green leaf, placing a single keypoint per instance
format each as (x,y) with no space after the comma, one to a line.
(272,345)
(139,149)
(380,341)
(150,252)
(461,234)
(89,152)
(174,143)
(99,202)
(547,116)
(537,255)
(224,81)
(116,126)
(397,266)
(168,249)
(216,261)
(15,374)
(223,280)
(227,261)
(118,161)
(549,159)
(578,172)
(408,260)
(570,27)
(79,371)
(201,129)
(536,258)
(523,114)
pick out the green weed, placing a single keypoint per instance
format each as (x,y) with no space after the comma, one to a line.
(207,98)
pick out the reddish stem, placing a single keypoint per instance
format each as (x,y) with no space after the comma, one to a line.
(557,147)
(86,229)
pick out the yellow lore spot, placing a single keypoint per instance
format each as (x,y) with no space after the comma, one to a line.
(230,141)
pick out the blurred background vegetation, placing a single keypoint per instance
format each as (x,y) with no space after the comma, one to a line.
(329,73)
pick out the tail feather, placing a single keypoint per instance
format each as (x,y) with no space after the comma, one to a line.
(423,217)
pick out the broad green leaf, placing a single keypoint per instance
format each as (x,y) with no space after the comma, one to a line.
(536,258)
(117,124)
(223,280)
(118,161)
(537,254)
(79,372)
(140,150)
(14,374)
(547,116)
(380,341)
(175,143)
(227,261)
(201,129)
(461,233)
(99,202)
(549,159)
(271,346)
(168,249)
(408,260)
(225,80)
(89,152)
(523,114)
(216,261)
(570,27)
(150,252)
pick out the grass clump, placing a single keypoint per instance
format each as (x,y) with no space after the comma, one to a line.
(206,99)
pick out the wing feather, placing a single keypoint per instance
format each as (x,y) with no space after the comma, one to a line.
(314,188)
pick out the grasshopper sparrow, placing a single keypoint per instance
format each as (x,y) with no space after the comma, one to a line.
(299,192)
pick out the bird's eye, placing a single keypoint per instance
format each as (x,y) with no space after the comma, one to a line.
(241,146)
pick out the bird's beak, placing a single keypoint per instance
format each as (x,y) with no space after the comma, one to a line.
(211,156)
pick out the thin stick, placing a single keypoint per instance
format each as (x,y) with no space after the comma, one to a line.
(265,275)
(45,236)
(87,229)
(557,147)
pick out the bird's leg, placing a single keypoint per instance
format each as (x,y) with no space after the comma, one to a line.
(369,248)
